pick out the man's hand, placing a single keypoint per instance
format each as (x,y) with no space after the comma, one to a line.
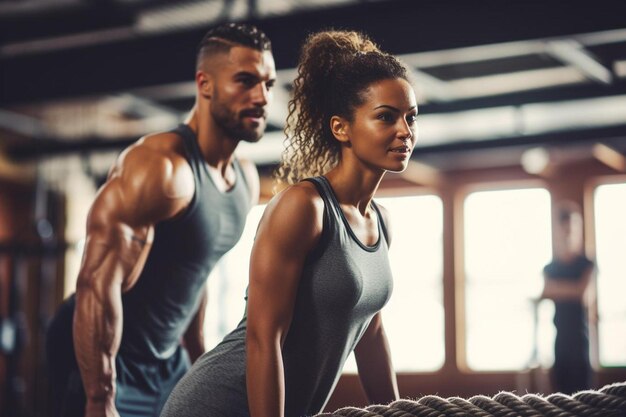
(104,408)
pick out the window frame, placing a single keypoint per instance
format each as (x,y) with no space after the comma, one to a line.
(590,244)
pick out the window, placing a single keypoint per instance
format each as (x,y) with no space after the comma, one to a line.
(610,228)
(414,316)
(507,242)
(227,284)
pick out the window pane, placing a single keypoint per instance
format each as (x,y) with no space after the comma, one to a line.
(414,318)
(507,244)
(610,226)
(228,282)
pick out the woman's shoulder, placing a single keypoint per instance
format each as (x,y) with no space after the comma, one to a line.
(294,217)
(300,200)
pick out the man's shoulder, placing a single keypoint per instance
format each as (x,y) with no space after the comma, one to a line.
(160,151)
(155,163)
(166,144)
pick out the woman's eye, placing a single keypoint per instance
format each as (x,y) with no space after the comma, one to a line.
(411,118)
(385,117)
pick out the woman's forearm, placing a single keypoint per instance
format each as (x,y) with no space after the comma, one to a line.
(265,380)
(375,367)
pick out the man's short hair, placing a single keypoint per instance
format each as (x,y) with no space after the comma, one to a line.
(221,38)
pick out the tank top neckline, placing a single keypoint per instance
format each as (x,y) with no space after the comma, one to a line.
(194,147)
(335,202)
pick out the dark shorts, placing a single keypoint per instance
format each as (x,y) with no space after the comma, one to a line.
(142,385)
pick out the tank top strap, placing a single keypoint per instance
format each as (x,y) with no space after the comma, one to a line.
(240,174)
(192,150)
(323,188)
(330,220)
(194,155)
(331,200)
(381,222)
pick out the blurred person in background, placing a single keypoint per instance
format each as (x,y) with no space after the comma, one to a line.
(567,279)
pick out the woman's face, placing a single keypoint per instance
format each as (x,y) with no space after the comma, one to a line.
(383,131)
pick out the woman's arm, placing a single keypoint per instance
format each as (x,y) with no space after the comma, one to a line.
(374,362)
(290,228)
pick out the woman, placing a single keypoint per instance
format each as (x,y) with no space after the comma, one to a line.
(319,272)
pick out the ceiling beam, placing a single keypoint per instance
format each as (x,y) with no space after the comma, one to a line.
(573,53)
(428,25)
(613,136)
(610,135)
(609,156)
(548,95)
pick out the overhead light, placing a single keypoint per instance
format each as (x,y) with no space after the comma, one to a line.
(432,87)
(491,85)
(473,54)
(54,43)
(619,67)
(535,160)
(574,114)
(179,16)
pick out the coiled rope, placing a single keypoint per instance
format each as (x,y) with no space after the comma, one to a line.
(609,401)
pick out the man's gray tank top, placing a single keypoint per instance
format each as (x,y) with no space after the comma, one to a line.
(343,284)
(158,309)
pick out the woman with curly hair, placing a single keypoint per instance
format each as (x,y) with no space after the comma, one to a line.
(319,272)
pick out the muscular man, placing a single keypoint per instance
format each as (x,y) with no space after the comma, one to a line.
(172,205)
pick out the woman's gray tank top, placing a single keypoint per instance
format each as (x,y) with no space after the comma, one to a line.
(343,284)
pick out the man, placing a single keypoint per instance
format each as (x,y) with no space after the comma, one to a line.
(567,279)
(172,205)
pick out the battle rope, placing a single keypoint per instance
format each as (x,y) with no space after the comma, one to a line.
(609,401)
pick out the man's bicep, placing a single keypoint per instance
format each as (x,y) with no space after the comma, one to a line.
(149,186)
(114,248)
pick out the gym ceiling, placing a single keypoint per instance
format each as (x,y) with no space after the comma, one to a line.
(492,75)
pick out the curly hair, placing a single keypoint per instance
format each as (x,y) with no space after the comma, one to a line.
(334,71)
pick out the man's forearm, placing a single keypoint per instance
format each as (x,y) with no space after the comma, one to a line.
(194,336)
(195,347)
(97,335)
(563,291)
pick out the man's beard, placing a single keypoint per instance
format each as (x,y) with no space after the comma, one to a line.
(233,123)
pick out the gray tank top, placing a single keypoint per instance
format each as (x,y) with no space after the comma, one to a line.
(343,284)
(158,309)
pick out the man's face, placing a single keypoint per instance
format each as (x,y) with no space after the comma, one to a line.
(243,81)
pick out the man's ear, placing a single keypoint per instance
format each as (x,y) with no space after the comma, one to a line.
(205,84)
(340,129)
